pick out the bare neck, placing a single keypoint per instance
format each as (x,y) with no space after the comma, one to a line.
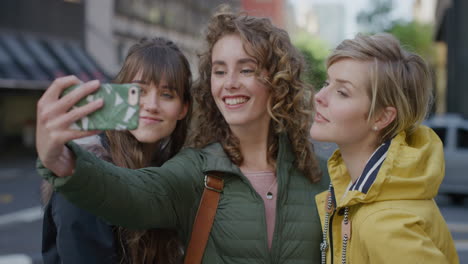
(355,157)
(254,148)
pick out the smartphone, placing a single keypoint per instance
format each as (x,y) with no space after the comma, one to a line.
(120,111)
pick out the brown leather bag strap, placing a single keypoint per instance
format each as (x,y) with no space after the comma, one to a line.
(204,220)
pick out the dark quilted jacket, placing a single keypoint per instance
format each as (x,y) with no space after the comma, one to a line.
(168,197)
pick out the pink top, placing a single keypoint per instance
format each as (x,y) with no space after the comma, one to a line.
(266,185)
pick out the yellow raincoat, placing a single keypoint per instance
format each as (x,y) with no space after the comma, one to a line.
(394,218)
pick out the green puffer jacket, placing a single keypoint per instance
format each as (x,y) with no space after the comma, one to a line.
(168,197)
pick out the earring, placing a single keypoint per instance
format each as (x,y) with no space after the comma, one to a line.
(375,128)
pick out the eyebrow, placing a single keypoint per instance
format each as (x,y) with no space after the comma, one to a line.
(247,60)
(345,81)
(240,61)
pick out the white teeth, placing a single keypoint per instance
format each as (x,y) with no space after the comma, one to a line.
(235,101)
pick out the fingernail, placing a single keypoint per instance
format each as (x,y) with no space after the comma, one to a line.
(94,82)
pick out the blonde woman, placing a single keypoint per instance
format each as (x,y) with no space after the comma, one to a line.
(379,207)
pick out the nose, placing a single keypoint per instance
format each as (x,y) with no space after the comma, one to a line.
(320,97)
(150,101)
(232,81)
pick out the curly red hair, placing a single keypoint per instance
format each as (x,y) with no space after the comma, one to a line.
(290,102)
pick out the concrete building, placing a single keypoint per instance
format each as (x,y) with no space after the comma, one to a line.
(273,9)
(325,20)
(331,30)
(36,40)
(424,11)
(111,26)
(450,28)
(43,40)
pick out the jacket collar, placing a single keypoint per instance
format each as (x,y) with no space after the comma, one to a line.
(217,159)
(411,167)
(369,174)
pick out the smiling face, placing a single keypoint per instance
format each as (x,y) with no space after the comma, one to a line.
(160,109)
(342,105)
(239,95)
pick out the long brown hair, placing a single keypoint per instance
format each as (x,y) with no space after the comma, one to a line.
(290,105)
(155,57)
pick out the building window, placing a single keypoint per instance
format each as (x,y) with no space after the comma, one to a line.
(462,138)
(441,132)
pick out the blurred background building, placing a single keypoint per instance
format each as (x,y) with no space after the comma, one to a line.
(43,40)
(450,31)
(39,41)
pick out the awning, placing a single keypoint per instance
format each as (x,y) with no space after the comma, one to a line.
(8,67)
(31,62)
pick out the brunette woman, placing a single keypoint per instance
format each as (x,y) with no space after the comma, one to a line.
(73,235)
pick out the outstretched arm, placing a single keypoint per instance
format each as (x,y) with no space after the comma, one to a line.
(157,197)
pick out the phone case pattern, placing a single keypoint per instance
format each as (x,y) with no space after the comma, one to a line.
(116,114)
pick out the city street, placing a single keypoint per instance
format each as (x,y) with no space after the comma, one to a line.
(21,213)
(20,210)
(274,48)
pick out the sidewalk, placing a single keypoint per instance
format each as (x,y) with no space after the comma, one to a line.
(20,207)
(15,259)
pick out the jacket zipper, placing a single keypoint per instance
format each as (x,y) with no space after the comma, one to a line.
(246,181)
(280,170)
(330,235)
(276,229)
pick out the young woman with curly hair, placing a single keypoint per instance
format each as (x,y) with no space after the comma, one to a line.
(253,122)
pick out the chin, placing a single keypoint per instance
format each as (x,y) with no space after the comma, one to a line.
(149,139)
(319,136)
(235,121)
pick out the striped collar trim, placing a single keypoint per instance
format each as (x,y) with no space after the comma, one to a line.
(368,176)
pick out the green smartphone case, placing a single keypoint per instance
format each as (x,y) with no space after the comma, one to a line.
(120,110)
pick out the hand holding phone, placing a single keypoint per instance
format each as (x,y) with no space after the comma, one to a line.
(54,119)
(120,110)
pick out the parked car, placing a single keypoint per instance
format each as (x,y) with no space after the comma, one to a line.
(453,131)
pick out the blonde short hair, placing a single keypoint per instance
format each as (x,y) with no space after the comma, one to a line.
(397,78)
